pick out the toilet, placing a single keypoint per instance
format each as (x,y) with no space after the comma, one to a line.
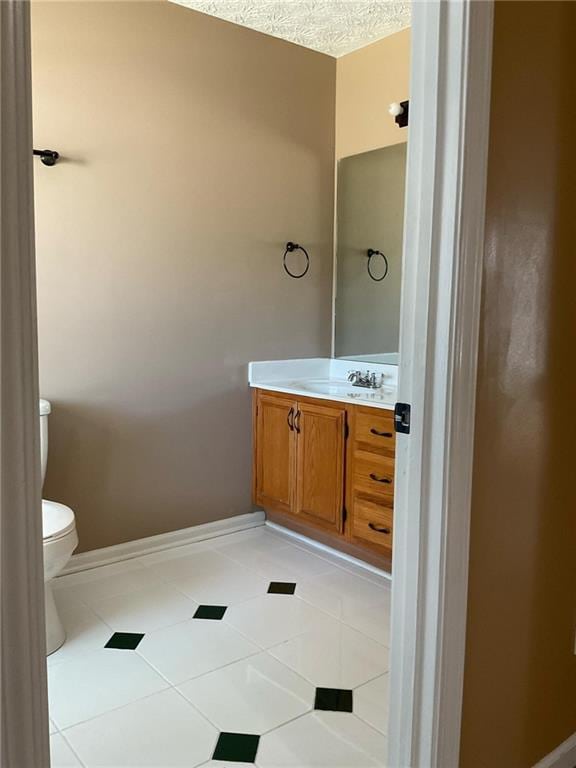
(60,541)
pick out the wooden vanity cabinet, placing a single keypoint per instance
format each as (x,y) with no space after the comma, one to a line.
(299,459)
(371,479)
(320,443)
(275,452)
(326,469)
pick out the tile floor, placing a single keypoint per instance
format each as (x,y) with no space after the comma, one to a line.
(251,648)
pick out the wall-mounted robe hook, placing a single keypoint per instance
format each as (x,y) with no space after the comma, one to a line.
(47,156)
(290,247)
(399,112)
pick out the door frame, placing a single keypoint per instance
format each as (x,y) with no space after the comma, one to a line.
(444,237)
(439,342)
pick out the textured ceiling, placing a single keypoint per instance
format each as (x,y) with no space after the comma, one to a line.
(334,27)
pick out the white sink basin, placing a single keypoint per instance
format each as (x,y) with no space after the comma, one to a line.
(338,388)
(328,387)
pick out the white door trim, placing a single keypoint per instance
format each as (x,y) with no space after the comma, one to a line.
(444,238)
(23,689)
(563,756)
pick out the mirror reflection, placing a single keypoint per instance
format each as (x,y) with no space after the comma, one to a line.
(369,221)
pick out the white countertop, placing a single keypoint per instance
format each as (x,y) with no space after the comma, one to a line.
(325,379)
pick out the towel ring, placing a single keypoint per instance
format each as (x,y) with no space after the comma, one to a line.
(290,247)
(371,253)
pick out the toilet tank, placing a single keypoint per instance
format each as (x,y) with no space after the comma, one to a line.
(45,409)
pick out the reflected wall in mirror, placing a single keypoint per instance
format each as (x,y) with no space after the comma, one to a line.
(370,216)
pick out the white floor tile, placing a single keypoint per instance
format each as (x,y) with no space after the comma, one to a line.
(106,581)
(288,563)
(264,564)
(339,657)
(52,727)
(193,648)
(220,581)
(145,610)
(98,682)
(338,591)
(323,740)
(251,696)
(330,557)
(61,756)
(186,565)
(371,702)
(271,619)
(175,553)
(364,573)
(162,730)
(226,764)
(256,539)
(117,708)
(343,563)
(85,631)
(372,620)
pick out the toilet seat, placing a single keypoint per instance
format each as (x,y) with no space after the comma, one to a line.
(57,520)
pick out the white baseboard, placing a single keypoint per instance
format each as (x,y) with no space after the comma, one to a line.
(130,549)
(330,550)
(563,756)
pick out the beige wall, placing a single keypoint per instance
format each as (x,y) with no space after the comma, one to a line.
(520,677)
(367,81)
(193,149)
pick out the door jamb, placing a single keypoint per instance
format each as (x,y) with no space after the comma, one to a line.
(439,338)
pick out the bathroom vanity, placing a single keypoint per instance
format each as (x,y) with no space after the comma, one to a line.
(323,453)
(324,447)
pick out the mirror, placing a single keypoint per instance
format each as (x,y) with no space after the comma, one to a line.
(369,225)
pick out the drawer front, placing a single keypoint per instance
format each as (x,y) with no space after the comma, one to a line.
(374,431)
(374,475)
(372,522)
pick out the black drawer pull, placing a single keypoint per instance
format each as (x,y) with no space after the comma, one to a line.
(377,528)
(380,479)
(290,419)
(380,434)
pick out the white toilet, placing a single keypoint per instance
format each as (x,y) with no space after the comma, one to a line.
(60,540)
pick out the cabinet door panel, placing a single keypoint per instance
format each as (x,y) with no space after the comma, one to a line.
(320,464)
(275,453)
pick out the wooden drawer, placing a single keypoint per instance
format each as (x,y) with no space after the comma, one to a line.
(374,431)
(372,522)
(374,475)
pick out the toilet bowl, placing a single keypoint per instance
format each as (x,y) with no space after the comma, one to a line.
(60,541)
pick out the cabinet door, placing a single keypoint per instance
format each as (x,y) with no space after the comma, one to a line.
(275,453)
(320,464)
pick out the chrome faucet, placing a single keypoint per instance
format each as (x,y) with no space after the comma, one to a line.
(368,380)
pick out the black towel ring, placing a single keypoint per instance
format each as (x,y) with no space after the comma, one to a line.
(371,253)
(290,246)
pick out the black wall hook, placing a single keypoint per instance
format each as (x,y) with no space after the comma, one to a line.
(47,156)
(290,247)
